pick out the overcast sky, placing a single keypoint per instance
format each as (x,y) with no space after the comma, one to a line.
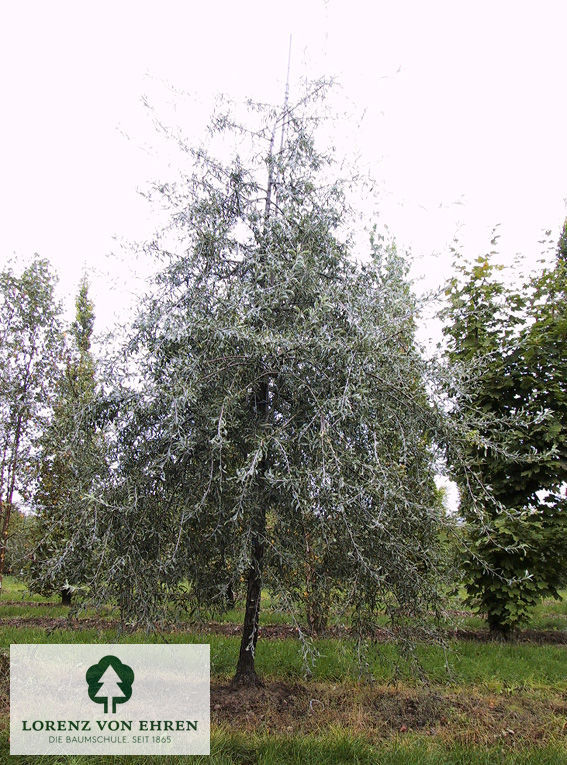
(459,111)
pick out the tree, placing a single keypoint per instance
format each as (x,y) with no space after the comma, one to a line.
(510,340)
(29,352)
(19,542)
(543,376)
(280,398)
(71,459)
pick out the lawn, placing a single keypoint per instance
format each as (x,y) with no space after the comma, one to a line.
(475,701)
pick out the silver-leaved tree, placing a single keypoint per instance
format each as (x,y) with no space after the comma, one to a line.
(279,430)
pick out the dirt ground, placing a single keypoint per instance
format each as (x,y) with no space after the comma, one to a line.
(273,631)
(380,712)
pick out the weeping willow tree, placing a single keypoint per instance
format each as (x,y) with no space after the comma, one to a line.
(279,431)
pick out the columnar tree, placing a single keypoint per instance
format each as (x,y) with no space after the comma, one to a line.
(30,342)
(281,398)
(71,462)
(511,341)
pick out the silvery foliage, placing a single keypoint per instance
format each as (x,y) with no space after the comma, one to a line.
(279,397)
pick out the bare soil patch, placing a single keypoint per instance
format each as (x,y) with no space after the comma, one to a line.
(382,712)
(50,624)
(274,631)
(4,684)
(32,603)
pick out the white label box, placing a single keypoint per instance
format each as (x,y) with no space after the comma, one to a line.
(96,699)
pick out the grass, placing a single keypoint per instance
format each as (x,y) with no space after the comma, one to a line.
(13,589)
(494,666)
(334,748)
(550,614)
(22,604)
(485,688)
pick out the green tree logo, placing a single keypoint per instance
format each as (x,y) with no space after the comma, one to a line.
(110,682)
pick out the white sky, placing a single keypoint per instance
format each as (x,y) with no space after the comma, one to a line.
(464,116)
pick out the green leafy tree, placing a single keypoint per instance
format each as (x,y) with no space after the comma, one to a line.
(71,463)
(30,342)
(19,542)
(543,377)
(509,341)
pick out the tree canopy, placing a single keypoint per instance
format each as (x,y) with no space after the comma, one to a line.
(279,428)
(30,342)
(71,467)
(512,340)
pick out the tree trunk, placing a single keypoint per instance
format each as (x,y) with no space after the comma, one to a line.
(5,515)
(500,631)
(230,598)
(245,671)
(66,596)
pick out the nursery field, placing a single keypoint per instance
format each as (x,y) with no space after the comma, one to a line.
(478,701)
